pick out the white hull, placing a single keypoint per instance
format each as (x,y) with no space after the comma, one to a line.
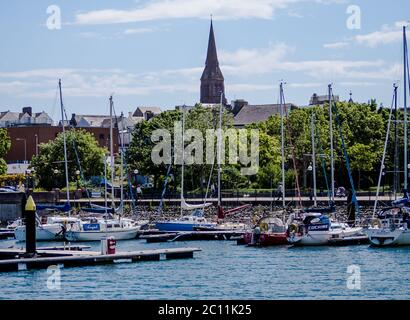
(44,233)
(322,238)
(123,234)
(311,239)
(385,237)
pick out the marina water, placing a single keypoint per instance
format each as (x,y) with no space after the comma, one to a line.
(223,270)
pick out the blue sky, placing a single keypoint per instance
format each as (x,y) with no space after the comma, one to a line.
(153,52)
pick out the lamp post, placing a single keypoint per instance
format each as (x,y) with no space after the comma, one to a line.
(310,169)
(28,173)
(77,173)
(135,182)
(56,172)
(25,147)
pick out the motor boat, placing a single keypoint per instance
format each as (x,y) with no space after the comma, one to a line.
(50,228)
(390,228)
(268,232)
(94,229)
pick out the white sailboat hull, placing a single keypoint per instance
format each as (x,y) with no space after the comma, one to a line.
(121,234)
(310,239)
(385,237)
(43,233)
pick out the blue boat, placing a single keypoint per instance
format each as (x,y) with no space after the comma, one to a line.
(185,223)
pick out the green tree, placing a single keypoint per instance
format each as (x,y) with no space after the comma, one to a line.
(5,144)
(51,157)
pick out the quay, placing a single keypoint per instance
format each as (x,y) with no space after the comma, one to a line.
(46,258)
(193,236)
(19,259)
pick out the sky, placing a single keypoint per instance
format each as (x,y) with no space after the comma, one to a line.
(152,53)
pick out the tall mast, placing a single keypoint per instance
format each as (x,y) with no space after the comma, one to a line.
(112,154)
(282,133)
(314,159)
(183,156)
(65,142)
(405,60)
(332,160)
(396,158)
(219,152)
(122,163)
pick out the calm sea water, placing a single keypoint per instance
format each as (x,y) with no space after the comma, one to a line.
(224,270)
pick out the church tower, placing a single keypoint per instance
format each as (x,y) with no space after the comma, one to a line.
(212,80)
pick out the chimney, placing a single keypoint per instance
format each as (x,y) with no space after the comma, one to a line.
(28,110)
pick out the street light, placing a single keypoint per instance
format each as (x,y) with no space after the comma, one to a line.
(77,173)
(25,148)
(55,171)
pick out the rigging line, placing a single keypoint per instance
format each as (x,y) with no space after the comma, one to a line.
(346,155)
(323,162)
(384,156)
(74,143)
(293,152)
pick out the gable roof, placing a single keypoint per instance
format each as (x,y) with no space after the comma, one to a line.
(258,113)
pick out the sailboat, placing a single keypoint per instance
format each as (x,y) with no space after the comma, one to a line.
(54,227)
(272,231)
(391,226)
(188,222)
(314,227)
(93,229)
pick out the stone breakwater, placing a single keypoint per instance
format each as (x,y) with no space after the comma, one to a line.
(247,215)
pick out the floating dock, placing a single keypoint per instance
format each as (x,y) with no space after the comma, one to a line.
(6,234)
(64,258)
(193,236)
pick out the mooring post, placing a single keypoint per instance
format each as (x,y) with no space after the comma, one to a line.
(30,215)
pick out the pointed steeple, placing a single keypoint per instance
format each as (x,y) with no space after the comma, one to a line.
(212,80)
(212,56)
(351,97)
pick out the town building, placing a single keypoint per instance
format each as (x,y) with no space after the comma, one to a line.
(317,100)
(24,118)
(25,140)
(246,114)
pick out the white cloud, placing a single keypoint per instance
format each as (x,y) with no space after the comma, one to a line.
(387,35)
(172,9)
(336,45)
(139,30)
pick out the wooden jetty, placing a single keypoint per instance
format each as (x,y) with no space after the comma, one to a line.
(12,259)
(6,234)
(193,236)
(46,258)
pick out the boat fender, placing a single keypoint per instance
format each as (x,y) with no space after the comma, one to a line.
(264,226)
(293,228)
(376,223)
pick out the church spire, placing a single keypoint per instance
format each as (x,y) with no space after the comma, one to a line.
(212,56)
(212,80)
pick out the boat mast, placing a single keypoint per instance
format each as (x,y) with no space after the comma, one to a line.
(112,154)
(282,133)
(122,164)
(405,60)
(219,153)
(396,159)
(183,157)
(332,161)
(65,143)
(314,159)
